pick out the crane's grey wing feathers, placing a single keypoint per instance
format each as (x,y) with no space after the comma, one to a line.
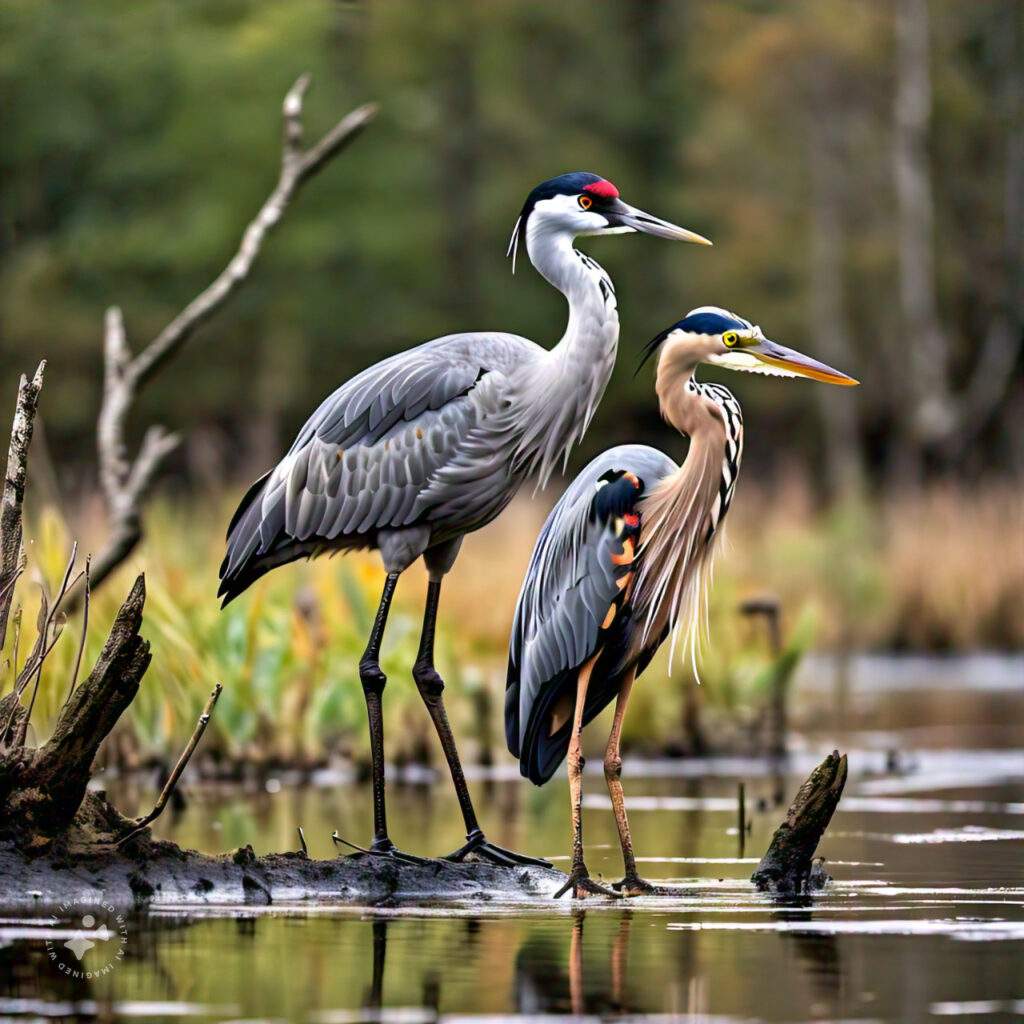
(570,585)
(364,459)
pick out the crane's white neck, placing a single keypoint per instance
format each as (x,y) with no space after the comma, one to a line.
(561,392)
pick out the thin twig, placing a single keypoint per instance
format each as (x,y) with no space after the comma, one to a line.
(67,574)
(338,841)
(38,676)
(302,840)
(51,626)
(165,794)
(17,646)
(87,593)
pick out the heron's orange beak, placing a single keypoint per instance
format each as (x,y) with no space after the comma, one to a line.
(797,363)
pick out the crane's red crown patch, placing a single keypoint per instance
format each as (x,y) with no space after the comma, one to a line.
(603,188)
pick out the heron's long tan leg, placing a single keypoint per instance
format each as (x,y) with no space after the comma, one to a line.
(632,884)
(579,878)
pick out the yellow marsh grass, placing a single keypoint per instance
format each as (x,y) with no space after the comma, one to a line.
(944,570)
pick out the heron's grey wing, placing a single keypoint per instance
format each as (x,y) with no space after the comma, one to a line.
(571,584)
(365,455)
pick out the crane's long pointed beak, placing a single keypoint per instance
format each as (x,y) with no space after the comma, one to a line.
(797,363)
(623,216)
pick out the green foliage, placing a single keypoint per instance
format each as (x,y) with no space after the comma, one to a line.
(288,653)
(288,650)
(140,138)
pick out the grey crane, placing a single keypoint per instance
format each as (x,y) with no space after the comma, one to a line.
(623,562)
(432,443)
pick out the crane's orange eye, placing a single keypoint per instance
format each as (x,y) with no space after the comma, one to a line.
(730,338)
(585,202)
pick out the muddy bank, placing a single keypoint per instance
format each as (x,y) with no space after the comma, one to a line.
(158,873)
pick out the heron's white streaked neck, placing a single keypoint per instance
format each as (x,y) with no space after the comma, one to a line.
(561,392)
(683,513)
(681,400)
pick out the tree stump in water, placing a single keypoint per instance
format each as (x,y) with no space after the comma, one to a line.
(788,867)
(42,789)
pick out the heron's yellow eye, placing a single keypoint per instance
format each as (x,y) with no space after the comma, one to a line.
(585,202)
(730,338)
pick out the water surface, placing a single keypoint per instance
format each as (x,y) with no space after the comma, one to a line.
(925,918)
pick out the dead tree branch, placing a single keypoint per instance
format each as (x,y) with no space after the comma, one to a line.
(786,866)
(124,480)
(42,789)
(165,794)
(14,492)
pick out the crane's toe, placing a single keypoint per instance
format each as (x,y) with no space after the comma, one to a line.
(381,848)
(481,848)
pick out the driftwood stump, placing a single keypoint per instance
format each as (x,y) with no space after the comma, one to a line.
(42,789)
(788,867)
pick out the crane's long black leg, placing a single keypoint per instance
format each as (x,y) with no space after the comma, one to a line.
(373,680)
(431,688)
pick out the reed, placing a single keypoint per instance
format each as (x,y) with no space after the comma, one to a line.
(940,571)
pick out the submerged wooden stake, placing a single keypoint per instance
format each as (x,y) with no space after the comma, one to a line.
(786,866)
(741,814)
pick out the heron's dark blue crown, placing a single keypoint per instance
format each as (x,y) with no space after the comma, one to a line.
(706,320)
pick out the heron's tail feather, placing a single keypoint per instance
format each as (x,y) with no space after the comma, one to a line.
(542,751)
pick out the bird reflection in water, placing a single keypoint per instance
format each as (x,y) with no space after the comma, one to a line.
(544,985)
(372,999)
(430,993)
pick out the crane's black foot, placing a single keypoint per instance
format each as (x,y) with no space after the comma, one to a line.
(583,885)
(478,845)
(382,848)
(634,885)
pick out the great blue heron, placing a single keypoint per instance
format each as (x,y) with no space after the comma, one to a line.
(420,449)
(623,561)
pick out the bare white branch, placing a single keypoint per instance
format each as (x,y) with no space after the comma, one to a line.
(11,563)
(297,166)
(125,481)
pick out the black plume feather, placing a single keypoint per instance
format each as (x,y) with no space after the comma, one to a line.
(652,346)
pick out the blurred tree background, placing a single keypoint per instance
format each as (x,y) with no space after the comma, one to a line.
(859,166)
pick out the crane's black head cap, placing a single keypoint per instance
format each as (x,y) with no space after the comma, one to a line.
(570,184)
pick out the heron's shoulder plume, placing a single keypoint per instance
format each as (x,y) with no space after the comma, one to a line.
(677,552)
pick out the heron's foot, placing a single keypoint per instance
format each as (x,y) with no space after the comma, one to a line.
(479,846)
(382,848)
(634,885)
(583,885)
